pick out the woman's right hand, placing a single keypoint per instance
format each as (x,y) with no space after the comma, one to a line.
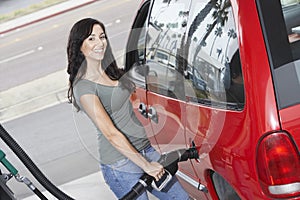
(155,170)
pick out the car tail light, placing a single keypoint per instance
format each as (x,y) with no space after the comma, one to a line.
(278,165)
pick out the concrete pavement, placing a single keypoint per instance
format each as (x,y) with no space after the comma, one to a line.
(91,187)
(33,96)
(44,92)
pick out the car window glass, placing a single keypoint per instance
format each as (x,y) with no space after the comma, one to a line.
(135,49)
(141,43)
(166,32)
(291,13)
(289,2)
(213,71)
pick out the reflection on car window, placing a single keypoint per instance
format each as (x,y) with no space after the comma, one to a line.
(289,2)
(167,25)
(291,12)
(213,73)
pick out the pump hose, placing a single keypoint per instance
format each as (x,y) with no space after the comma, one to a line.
(39,194)
(31,166)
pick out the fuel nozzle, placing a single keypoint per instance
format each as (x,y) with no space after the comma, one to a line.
(170,160)
(190,153)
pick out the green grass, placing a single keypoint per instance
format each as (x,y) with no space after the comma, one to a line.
(28,10)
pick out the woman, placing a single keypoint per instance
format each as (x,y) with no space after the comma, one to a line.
(97,87)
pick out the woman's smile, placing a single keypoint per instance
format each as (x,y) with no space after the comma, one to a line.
(94,46)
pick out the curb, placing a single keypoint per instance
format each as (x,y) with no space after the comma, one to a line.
(33,96)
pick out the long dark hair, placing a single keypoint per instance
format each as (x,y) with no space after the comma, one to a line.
(76,60)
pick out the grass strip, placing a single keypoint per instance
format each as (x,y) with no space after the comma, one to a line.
(29,9)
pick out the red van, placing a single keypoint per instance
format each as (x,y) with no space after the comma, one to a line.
(226,76)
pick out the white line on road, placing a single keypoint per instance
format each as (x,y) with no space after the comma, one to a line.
(17,56)
(108,24)
(120,33)
(20,55)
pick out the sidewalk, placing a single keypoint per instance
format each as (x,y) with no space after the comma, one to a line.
(33,96)
(91,187)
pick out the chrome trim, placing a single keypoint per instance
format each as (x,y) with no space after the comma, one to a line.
(191,181)
(187,179)
(285,189)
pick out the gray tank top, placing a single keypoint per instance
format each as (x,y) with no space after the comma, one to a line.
(115,100)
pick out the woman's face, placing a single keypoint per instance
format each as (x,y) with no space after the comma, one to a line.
(94,46)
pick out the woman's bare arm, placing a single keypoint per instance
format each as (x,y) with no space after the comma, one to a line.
(95,110)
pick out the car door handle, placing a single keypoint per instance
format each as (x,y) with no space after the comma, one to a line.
(143,110)
(152,114)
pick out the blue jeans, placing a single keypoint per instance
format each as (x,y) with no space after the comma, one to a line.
(124,174)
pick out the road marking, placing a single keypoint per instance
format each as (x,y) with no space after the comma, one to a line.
(108,24)
(40,48)
(118,34)
(29,36)
(17,56)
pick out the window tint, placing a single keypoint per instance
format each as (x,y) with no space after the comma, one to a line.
(167,25)
(213,71)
